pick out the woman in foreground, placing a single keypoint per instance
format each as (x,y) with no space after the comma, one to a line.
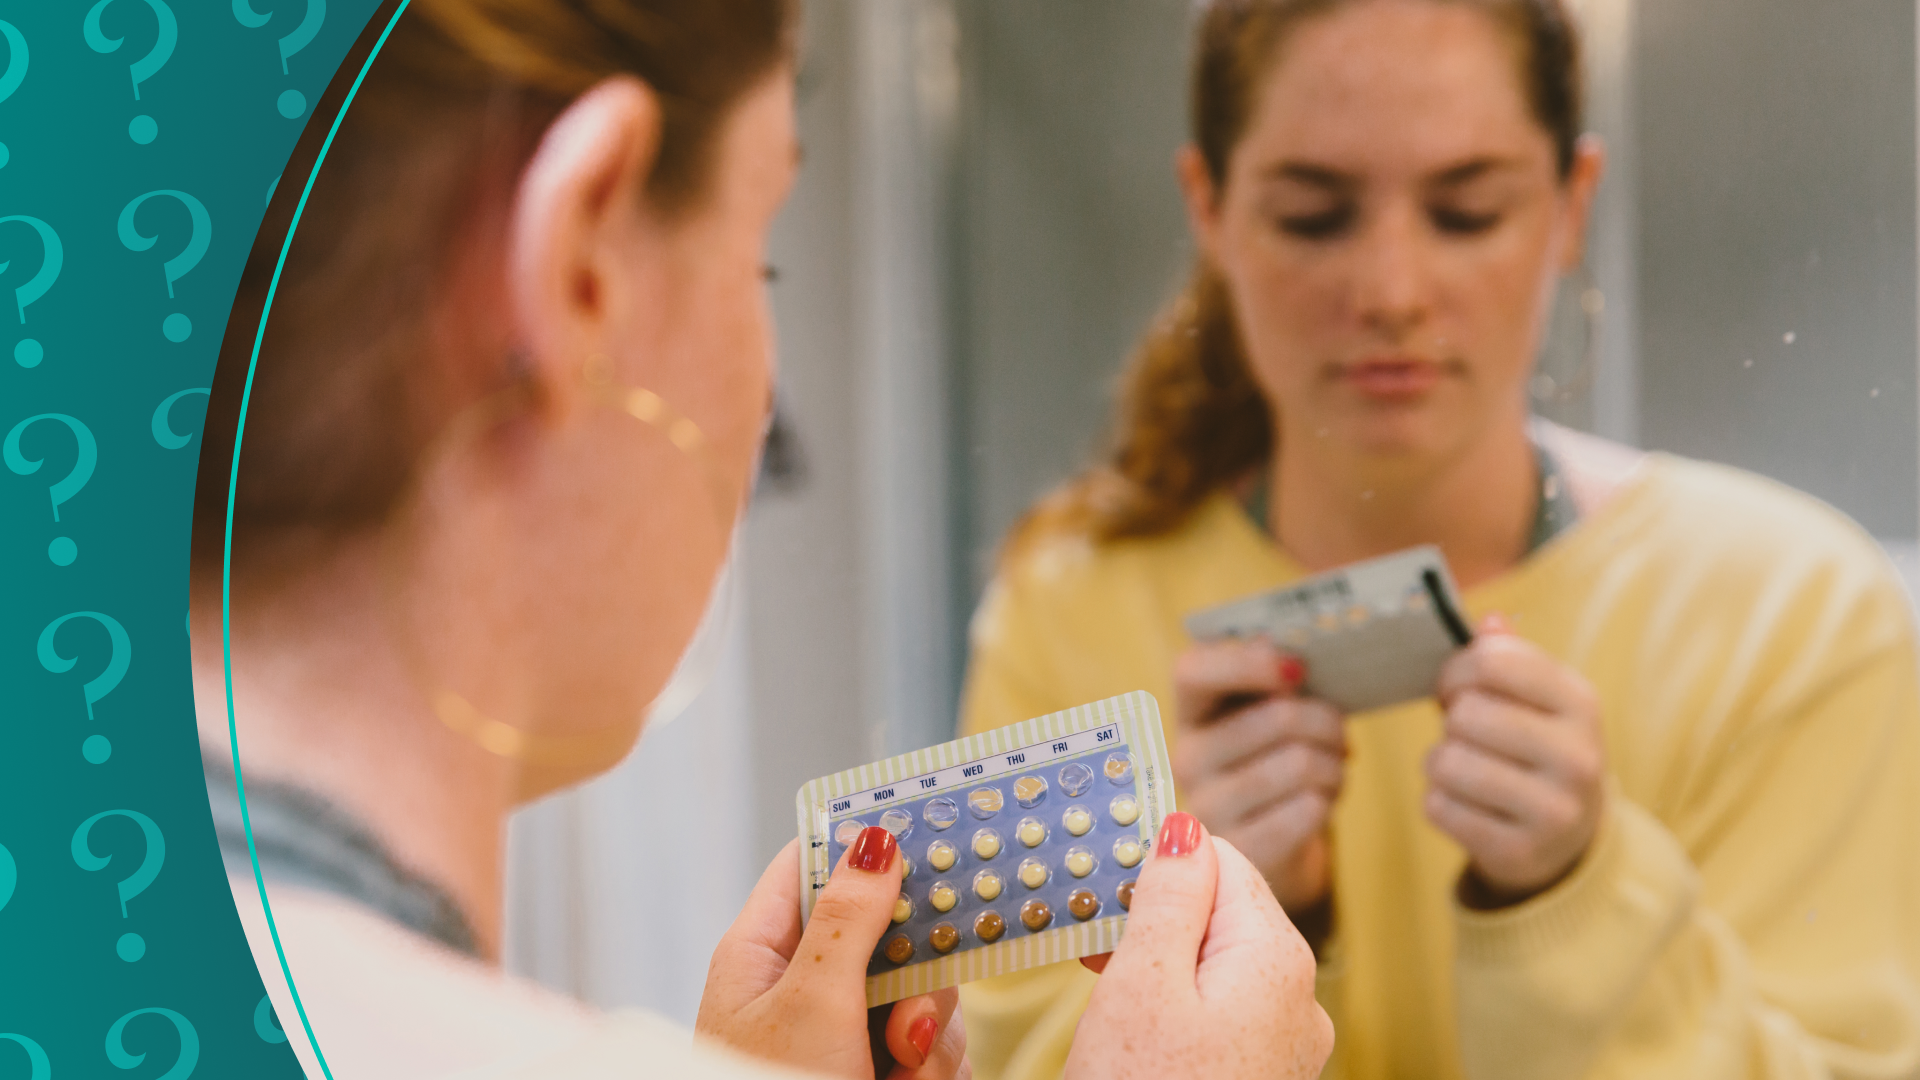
(1663,817)
(505,419)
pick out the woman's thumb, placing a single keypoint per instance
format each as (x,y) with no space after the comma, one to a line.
(1171,905)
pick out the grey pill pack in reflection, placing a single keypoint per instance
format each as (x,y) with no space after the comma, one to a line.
(1020,846)
(1372,634)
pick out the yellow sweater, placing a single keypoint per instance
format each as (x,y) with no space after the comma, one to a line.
(1751,906)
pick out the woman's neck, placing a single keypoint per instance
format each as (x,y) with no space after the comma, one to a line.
(321,702)
(1328,507)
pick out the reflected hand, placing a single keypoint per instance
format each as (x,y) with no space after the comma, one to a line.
(1258,765)
(1518,777)
(1210,980)
(800,998)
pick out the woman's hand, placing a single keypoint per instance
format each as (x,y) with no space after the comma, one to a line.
(1211,980)
(1260,766)
(1518,777)
(800,998)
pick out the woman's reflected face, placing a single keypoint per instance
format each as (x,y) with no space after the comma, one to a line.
(1391,227)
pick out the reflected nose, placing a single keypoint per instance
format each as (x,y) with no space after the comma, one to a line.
(1391,291)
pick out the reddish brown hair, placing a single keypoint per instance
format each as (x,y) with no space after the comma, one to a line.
(1190,418)
(343,401)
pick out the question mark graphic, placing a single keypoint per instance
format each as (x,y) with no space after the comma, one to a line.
(96,749)
(162,431)
(9,877)
(16,72)
(63,550)
(39,1068)
(292,103)
(189,1045)
(144,128)
(266,1023)
(176,327)
(131,947)
(28,353)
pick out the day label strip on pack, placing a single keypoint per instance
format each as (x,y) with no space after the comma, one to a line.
(1372,634)
(1019,846)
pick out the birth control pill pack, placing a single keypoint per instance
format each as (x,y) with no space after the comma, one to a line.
(1019,846)
(1372,634)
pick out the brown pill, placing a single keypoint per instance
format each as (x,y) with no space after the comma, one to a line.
(1035,914)
(943,938)
(900,950)
(1083,904)
(1125,895)
(989,926)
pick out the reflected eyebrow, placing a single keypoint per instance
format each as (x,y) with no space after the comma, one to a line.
(1306,172)
(1468,171)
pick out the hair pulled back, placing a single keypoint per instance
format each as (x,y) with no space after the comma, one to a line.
(1189,418)
(345,396)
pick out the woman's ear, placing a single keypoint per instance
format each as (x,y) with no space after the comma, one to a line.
(1203,200)
(579,200)
(1583,180)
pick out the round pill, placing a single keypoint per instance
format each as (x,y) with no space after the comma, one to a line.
(1034,873)
(906,867)
(902,910)
(943,938)
(1120,768)
(941,855)
(1032,831)
(986,843)
(848,831)
(941,814)
(943,896)
(985,802)
(1083,905)
(900,950)
(1075,779)
(1029,790)
(1079,861)
(987,885)
(989,926)
(1035,915)
(1125,810)
(898,822)
(1125,895)
(1128,852)
(1078,820)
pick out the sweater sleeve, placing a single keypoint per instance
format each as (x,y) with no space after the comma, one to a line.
(1765,924)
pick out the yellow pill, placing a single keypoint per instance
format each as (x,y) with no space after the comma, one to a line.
(1078,820)
(1128,852)
(941,856)
(906,867)
(943,897)
(902,910)
(1079,862)
(1032,832)
(987,885)
(986,843)
(1124,809)
(1033,873)
(1029,790)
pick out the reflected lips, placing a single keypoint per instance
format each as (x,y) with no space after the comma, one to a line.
(1393,377)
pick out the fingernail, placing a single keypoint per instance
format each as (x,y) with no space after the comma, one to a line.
(1496,623)
(872,850)
(1293,671)
(920,1033)
(1179,834)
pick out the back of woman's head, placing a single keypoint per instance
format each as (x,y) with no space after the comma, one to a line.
(1191,418)
(347,392)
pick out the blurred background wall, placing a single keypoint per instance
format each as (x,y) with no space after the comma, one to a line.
(986,220)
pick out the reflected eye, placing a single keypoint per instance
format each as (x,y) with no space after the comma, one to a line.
(1461,222)
(769,273)
(1322,226)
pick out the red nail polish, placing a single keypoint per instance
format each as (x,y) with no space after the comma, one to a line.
(920,1033)
(1179,834)
(1293,672)
(872,850)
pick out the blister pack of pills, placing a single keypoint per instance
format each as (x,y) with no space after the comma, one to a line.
(1019,846)
(1372,634)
